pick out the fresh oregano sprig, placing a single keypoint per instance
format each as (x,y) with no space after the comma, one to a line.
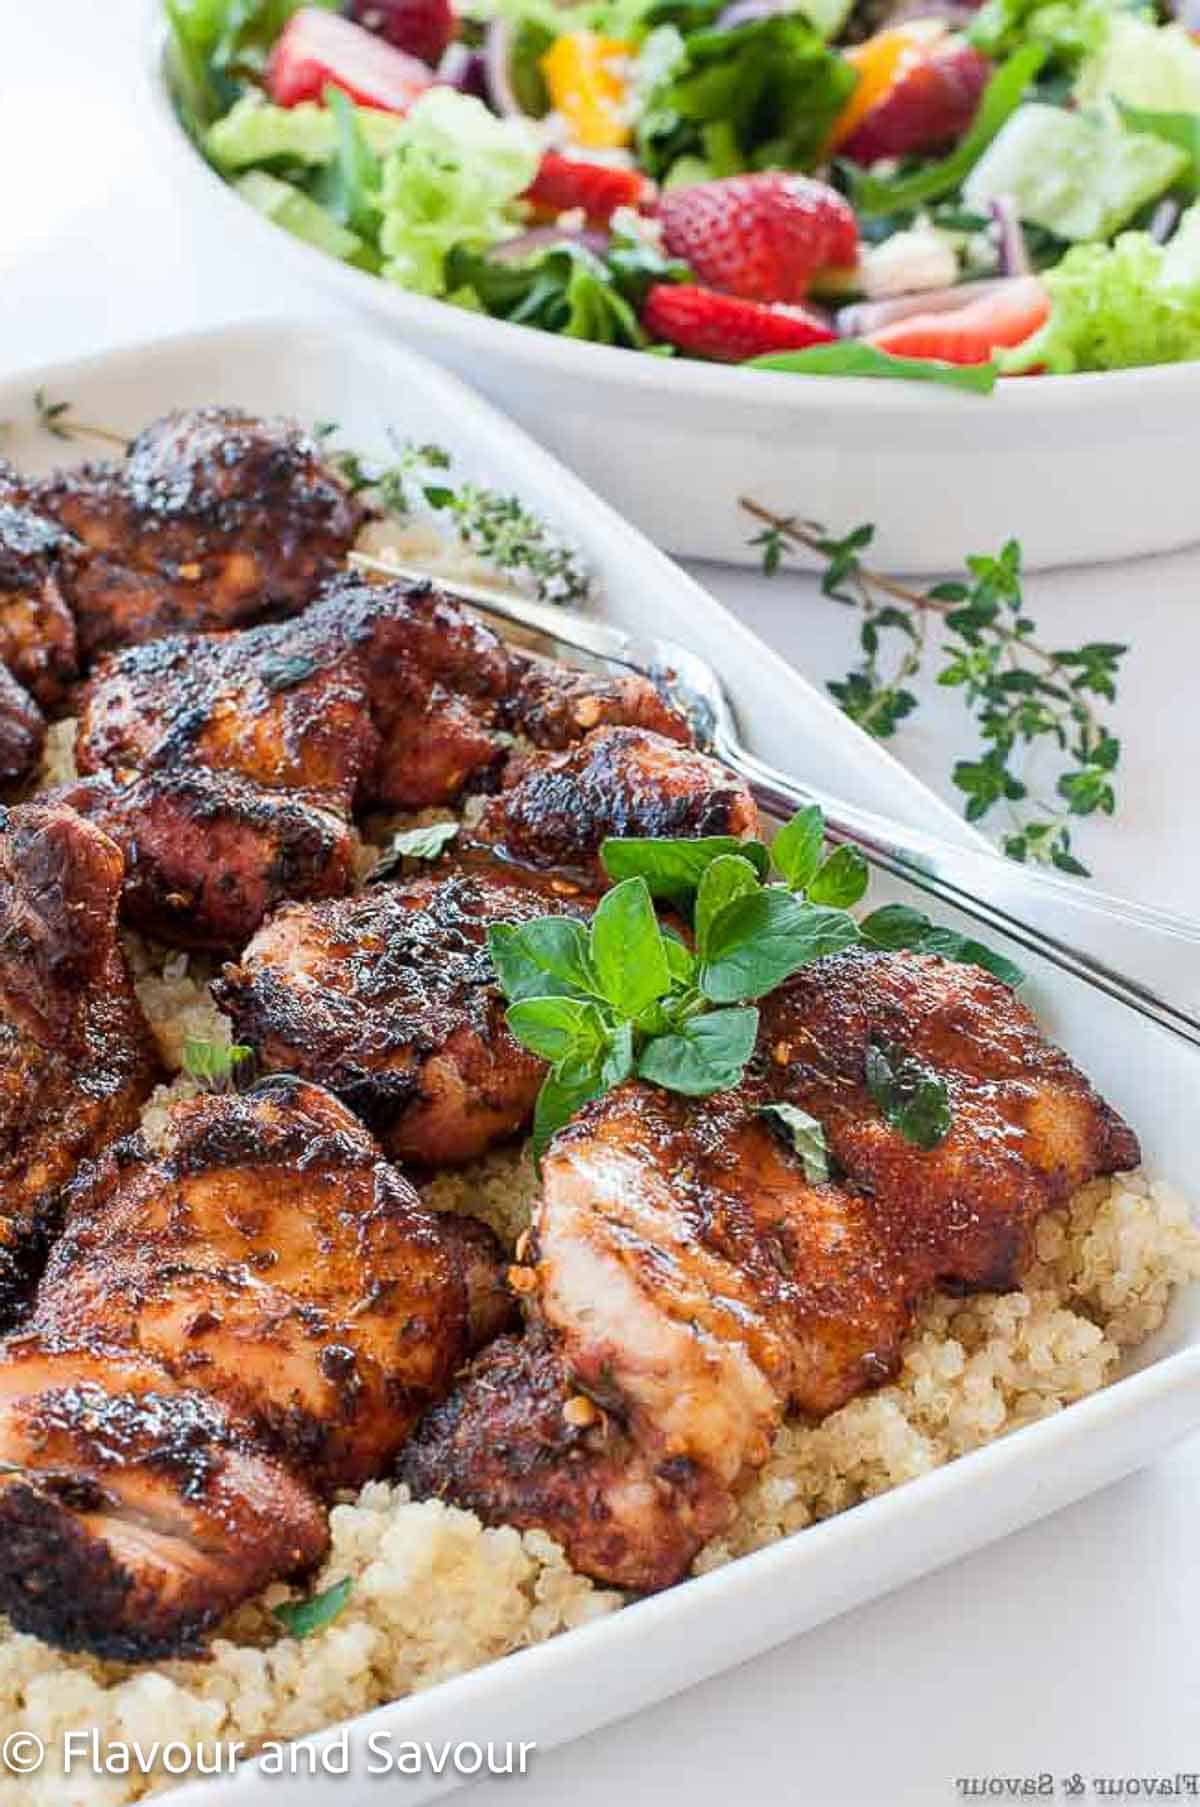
(1023,695)
(626,996)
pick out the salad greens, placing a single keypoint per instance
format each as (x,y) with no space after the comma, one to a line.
(852,358)
(568,288)
(447,184)
(762,95)
(628,995)
(1112,306)
(1087,120)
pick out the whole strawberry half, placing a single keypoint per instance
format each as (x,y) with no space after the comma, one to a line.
(765,237)
(564,183)
(725,327)
(931,104)
(421,27)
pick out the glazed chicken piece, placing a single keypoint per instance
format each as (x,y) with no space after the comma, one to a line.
(22,735)
(213,519)
(37,632)
(389,999)
(229,1330)
(208,854)
(76,1054)
(557,808)
(385,696)
(1028,1129)
(691,1286)
(688,1285)
(379,697)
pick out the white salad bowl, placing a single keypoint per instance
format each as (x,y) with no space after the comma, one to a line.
(593,1675)
(1083,468)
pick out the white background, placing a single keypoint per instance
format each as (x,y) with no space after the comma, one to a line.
(1068,1648)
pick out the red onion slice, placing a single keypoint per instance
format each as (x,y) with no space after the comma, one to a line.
(1010,239)
(543,238)
(497,74)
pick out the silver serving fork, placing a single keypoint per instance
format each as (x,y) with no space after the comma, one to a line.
(990,889)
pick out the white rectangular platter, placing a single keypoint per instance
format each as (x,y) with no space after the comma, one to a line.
(619,1664)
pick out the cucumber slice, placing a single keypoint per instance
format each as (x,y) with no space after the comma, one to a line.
(304,218)
(1079,176)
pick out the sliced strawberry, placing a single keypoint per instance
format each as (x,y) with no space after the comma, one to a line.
(420,27)
(725,327)
(564,183)
(1007,315)
(930,104)
(765,237)
(317,49)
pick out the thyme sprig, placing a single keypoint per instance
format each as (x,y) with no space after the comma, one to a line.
(56,418)
(1023,695)
(497,527)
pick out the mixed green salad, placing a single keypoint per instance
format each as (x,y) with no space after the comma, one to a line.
(912,188)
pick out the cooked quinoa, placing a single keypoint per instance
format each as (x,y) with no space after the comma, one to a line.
(435,1592)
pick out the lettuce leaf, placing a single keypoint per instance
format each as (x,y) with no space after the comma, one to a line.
(762,95)
(255,132)
(450,181)
(1117,306)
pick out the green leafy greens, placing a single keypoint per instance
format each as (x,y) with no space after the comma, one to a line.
(855,358)
(628,996)
(304,1618)
(760,95)
(217,1066)
(912,1096)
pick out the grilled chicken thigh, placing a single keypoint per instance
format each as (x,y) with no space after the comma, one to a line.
(1027,1130)
(228,1331)
(389,999)
(689,1285)
(76,1054)
(37,632)
(22,734)
(557,808)
(213,519)
(378,697)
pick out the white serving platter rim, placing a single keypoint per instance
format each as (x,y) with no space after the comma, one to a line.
(658,1646)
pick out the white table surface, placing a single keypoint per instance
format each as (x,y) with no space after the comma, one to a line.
(1070,1647)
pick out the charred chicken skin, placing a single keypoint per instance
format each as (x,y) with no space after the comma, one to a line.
(76,1054)
(380,697)
(37,631)
(688,1285)
(228,1331)
(22,735)
(212,520)
(557,808)
(389,999)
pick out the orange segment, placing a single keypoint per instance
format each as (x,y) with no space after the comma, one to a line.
(585,75)
(880,63)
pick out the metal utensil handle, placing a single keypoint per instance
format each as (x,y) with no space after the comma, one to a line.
(957,877)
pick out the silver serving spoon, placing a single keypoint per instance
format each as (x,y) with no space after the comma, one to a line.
(990,889)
